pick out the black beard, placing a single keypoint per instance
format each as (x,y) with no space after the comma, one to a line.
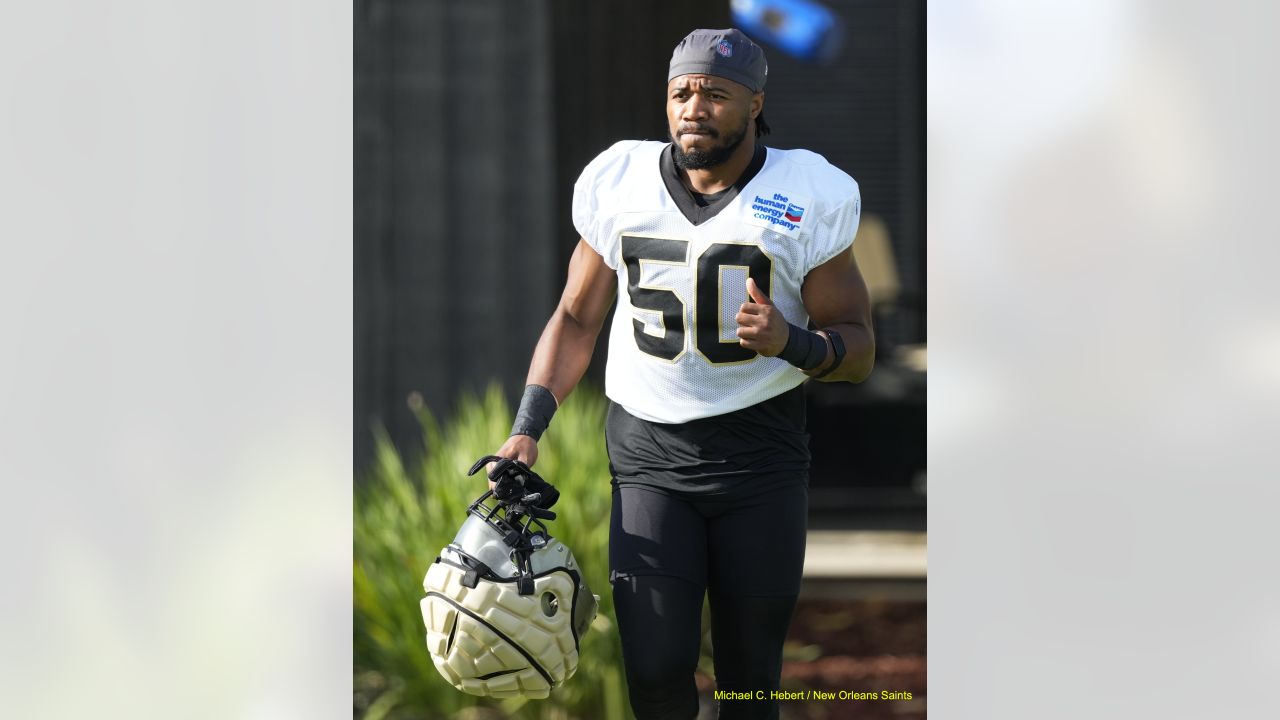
(702,159)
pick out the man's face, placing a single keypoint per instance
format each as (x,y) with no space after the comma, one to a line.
(708,117)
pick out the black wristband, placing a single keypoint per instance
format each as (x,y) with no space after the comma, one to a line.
(806,350)
(837,346)
(537,405)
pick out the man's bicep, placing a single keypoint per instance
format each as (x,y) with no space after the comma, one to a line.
(589,289)
(834,292)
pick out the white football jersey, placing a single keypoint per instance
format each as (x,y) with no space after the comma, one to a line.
(673,354)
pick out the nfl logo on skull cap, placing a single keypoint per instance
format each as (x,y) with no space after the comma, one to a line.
(724,48)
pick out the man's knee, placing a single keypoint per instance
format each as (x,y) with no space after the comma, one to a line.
(660,682)
(659,619)
(654,674)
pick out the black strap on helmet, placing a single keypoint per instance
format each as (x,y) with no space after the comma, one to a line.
(516,484)
(522,495)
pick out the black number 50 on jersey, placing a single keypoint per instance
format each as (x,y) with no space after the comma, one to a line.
(708,282)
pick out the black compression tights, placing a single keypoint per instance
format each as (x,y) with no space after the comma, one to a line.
(746,557)
(659,618)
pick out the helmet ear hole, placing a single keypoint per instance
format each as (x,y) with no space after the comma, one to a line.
(549,604)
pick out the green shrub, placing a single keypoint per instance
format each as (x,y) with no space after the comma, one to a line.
(405,515)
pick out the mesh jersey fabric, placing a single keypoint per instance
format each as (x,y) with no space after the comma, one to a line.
(673,355)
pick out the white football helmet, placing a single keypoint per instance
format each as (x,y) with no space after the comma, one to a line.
(506,604)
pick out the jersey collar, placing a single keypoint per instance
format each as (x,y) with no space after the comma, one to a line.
(693,212)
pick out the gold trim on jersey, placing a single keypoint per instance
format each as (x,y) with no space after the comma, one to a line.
(684,307)
(773,264)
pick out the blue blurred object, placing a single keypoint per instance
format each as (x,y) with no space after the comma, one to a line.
(804,29)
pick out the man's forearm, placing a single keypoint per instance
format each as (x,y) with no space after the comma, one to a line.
(563,354)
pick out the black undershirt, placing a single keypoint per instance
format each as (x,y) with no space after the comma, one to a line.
(708,199)
(750,449)
(696,207)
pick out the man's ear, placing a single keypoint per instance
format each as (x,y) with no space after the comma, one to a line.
(757,104)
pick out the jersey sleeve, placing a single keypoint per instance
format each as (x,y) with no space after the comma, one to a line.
(835,231)
(588,200)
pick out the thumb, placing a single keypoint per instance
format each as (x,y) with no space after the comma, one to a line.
(757,295)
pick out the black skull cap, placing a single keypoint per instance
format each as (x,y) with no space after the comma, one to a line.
(729,54)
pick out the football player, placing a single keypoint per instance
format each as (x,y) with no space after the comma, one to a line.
(720,251)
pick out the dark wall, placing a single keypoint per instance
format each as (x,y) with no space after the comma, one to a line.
(454,200)
(472,120)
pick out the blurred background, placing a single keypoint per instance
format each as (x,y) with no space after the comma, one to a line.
(472,121)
